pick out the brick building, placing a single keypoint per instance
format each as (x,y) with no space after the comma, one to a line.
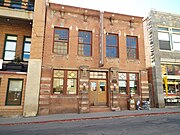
(16,20)
(162,33)
(91,59)
(21,42)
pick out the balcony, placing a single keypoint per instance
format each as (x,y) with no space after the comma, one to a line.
(22,9)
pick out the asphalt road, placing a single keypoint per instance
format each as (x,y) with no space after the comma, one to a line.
(146,125)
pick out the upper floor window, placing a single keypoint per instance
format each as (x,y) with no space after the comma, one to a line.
(26,50)
(84,43)
(112,46)
(132,47)
(10,47)
(164,40)
(16,4)
(65,82)
(169,39)
(61,41)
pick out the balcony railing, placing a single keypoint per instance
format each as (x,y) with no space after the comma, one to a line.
(17,4)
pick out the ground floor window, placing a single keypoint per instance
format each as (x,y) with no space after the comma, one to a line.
(14,92)
(128,83)
(65,82)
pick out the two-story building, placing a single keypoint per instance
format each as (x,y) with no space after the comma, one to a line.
(91,59)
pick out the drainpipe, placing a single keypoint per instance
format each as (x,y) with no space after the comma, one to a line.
(101,61)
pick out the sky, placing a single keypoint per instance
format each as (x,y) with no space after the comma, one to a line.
(129,7)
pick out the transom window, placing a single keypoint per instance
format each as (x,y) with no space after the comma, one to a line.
(98,75)
(112,45)
(10,47)
(132,47)
(61,41)
(128,83)
(26,50)
(14,92)
(84,43)
(65,82)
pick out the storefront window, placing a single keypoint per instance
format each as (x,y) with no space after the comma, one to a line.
(122,83)
(65,82)
(170,69)
(133,83)
(14,92)
(128,83)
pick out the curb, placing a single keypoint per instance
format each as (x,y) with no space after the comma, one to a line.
(92,118)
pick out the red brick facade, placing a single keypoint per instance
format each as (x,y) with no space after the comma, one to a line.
(75,19)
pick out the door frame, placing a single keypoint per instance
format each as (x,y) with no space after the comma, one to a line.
(95,94)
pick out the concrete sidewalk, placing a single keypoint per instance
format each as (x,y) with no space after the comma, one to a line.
(86,116)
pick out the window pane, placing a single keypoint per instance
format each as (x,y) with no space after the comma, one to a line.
(122,87)
(84,37)
(102,86)
(72,74)
(28,39)
(61,37)
(12,38)
(131,53)
(176,46)
(61,34)
(170,70)
(133,87)
(26,56)
(93,86)
(163,36)
(164,45)
(58,86)
(177,69)
(162,28)
(9,55)
(84,47)
(164,69)
(71,86)
(27,47)
(122,76)
(176,30)
(176,37)
(111,52)
(131,44)
(10,45)
(60,47)
(58,73)
(15,85)
(132,76)
(111,46)
(14,92)
(111,40)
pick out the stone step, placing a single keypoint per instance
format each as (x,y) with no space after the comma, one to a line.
(99,109)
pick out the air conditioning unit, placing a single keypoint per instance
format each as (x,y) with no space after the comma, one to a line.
(1,63)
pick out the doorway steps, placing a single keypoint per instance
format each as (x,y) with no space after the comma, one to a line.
(99,109)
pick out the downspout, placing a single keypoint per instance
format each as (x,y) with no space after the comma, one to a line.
(101,48)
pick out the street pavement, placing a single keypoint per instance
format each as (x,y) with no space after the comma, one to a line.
(86,116)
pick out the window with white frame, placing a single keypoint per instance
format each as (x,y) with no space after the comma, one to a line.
(169,39)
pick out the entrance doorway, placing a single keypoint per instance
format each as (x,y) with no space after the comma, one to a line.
(98,92)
